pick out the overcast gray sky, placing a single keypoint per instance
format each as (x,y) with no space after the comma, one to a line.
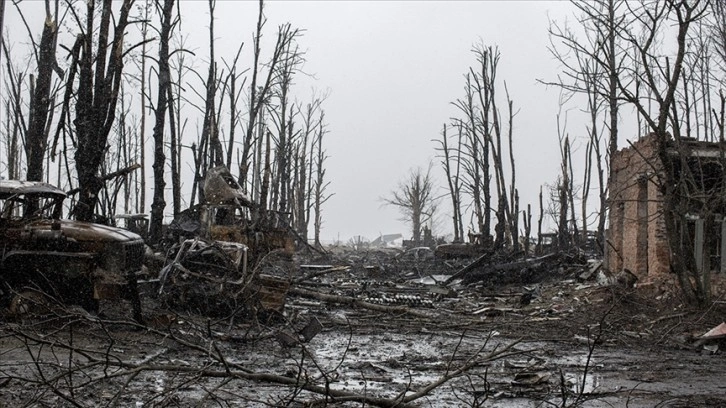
(392,69)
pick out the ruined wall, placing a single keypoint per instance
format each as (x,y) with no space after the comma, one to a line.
(636,236)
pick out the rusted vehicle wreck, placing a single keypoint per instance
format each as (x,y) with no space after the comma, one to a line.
(214,265)
(71,261)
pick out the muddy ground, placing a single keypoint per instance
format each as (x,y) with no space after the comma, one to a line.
(390,333)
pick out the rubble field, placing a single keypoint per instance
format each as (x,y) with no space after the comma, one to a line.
(373,328)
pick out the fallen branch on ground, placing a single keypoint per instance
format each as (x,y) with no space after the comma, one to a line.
(222,368)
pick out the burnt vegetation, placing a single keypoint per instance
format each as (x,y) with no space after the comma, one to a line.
(219,290)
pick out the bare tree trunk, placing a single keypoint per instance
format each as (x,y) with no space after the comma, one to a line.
(258,100)
(201,164)
(320,183)
(514,194)
(174,141)
(8,126)
(177,127)
(258,163)
(254,104)
(283,116)
(477,168)
(17,128)
(196,155)
(162,103)
(587,177)
(310,173)
(598,64)
(721,117)
(13,130)
(452,178)
(97,94)
(562,232)
(265,178)
(233,112)
(564,194)
(2,25)
(299,187)
(502,227)
(515,222)
(575,235)
(673,184)
(527,219)
(539,221)
(36,141)
(612,67)
(210,130)
(232,115)
(142,135)
(304,165)
(123,144)
(484,92)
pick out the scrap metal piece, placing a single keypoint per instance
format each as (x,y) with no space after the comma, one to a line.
(220,187)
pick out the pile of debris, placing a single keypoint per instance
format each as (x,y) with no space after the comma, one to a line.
(213,252)
(496,269)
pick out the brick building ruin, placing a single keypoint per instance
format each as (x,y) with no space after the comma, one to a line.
(636,238)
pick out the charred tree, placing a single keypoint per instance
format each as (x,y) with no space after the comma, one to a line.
(16,124)
(97,88)
(452,169)
(593,65)
(539,220)
(234,96)
(141,204)
(176,126)
(162,103)
(282,114)
(673,184)
(174,153)
(476,154)
(564,193)
(527,220)
(2,25)
(513,193)
(210,128)
(320,195)
(487,82)
(482,149)
(259,94)
(304,162)
(40,113)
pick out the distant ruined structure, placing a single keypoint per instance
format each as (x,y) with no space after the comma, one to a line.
(636,238)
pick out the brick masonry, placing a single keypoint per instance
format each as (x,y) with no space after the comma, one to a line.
(636,235)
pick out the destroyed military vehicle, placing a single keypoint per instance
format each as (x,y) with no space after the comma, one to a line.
(225,216)
(75,262)
(211,246)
